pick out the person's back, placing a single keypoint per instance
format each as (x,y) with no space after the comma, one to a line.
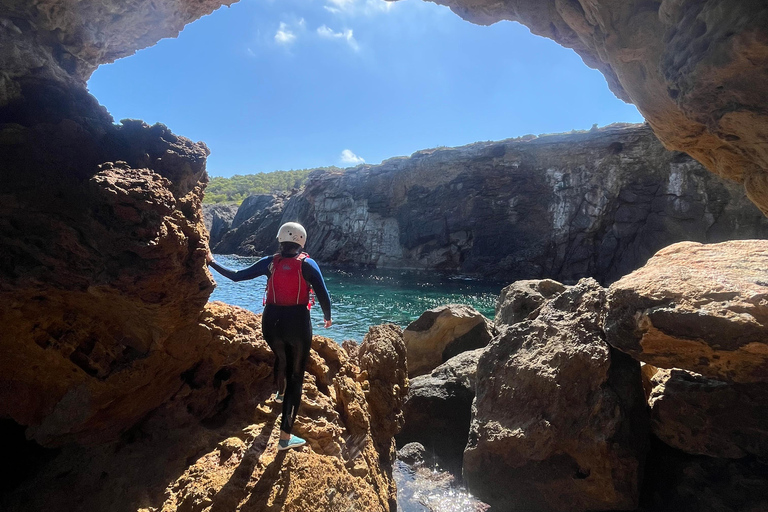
(286,323)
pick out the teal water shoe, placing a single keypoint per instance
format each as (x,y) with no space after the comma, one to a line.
(278,397)
(293,442)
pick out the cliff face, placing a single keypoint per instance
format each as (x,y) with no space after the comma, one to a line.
(566,206)
(691,67)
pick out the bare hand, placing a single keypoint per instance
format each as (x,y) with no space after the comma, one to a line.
(328,323)
(209,257)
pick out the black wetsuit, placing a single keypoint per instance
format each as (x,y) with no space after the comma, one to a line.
(288,331)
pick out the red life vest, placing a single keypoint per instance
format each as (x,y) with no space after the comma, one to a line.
(286,285)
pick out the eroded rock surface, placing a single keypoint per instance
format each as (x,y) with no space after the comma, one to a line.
(213,445)
(691,67)
(708,417)
(702,308)
(103,265)
(559,415)
(521,298)
(443,332)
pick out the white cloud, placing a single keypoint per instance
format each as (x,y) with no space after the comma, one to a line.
(346,35)
(356,7)
(348,157)
(286,34)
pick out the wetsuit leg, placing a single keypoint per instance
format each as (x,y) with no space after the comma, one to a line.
(270,328)
(296,333)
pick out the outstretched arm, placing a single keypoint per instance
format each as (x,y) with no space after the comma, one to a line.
(260,268)
(314,277)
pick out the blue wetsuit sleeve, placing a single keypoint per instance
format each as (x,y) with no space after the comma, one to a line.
(314,277)
(260,268)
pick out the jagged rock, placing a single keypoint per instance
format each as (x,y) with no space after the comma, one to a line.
(438,408)
(103,264)
(689,67)
(212,446)
(708,417)
(702,308)
(521,298)
(559,420)
(218,220)
(443,332)
(381,356)
(595,204)
(687,483)
(254,229)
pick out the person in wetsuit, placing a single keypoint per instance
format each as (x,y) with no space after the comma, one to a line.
(285,322)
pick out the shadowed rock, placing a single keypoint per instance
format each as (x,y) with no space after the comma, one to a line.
(438,409)
(707,417)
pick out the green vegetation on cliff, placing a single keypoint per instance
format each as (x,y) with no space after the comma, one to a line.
(238,187)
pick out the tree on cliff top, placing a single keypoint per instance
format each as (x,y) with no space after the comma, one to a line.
(238,187)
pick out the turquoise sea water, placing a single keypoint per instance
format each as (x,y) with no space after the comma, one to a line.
(362,298)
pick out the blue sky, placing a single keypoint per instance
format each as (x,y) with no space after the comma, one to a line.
(293,84)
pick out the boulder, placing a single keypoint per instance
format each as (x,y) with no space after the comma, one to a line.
(559,420)
(521,298)
(438,409)
(443,332)
(708,417)
(702,308)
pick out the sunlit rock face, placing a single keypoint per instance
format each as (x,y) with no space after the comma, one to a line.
(698,307)
(212,445)
(566,206)
(695,69)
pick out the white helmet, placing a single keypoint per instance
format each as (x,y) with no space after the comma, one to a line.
(292,232)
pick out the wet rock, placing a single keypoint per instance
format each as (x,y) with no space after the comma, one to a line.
(702,308)
(559,420)
(707,417)
(521,298)
(443,332)
(412,454)
(438,409)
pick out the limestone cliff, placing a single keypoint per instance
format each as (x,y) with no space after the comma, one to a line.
(596,204)
(695,69)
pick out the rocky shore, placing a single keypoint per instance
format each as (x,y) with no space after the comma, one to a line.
(648,395)
(593,204)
